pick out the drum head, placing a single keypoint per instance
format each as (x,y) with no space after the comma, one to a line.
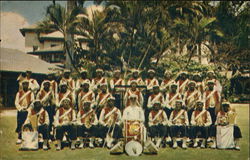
(133,148)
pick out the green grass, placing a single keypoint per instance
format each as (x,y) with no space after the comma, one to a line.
(9,150)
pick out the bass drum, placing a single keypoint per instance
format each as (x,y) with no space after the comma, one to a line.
(133,148)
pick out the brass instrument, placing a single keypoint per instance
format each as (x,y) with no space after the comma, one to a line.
(89,120)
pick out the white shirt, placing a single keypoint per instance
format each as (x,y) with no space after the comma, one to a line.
(133,113)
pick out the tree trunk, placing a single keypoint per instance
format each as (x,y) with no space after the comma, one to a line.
(70,38)
(199,52)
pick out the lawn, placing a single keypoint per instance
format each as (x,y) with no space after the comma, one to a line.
(9,150)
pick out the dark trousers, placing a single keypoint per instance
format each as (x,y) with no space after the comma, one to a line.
(189,112)
(82,131)
(168,111)
(199,131)
(212,113)
(21,117)
(118,101)
(44,130)
(103,130)
(212,131)
(158,130)
(51,112)
(70,129)
(178,131)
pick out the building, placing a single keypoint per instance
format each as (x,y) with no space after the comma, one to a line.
(48,46)
(12,63)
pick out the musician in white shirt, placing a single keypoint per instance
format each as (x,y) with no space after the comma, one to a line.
(200,123)
(65,120)
(133,111)
(179,122)
(158,122)
(110,123)
(86,124)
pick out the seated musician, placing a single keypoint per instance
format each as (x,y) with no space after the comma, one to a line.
(39,115)
(178,124)
(200,121)
(227,116)
(158,122)
(64,122)
(110,121)
(151,81)
(133,91)
(133,111)
(86,124)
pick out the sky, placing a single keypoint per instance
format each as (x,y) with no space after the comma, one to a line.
(18,14)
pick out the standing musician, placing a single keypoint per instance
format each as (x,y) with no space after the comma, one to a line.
(86,124)
(65,120)
(178,124)
(158,122)
(155,96)
(200,123)
(85,94)
(135,77)
(102,98)
(64,93)
(117,91)
(151,80)
(182,82)
(190,98)
(165,84)
(133,91)
(24,98)
(211,77)
(38,119)
(47,99)
(68,80)
(33,85)
(212,100)
(171,98)
(199,83)
(53,83)
(83,78)
(110,121)
(98,80)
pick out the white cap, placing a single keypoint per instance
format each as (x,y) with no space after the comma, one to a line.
(151,70)
(99,70)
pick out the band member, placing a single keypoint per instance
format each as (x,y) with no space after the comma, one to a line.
(133,91)
(47,98)
(38,119)
(182,82)
(53,83)
(151,80)
(117,91)
(23,99)
(65,119)
(33,85)
(212,100)
(227,116)
(171,98)
(67,79)
(165,84)
(135,77)
(200,121)
(102,98)
(190,98)
(155,96)
(20,79)
(110,121)
(64,93)
(85,94)
(200,86)
(178,124)
(86,124)
(158,122)
(83,78)
(98,80)
(134,111)
(211,77)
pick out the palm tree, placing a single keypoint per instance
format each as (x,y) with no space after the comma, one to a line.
(58,19)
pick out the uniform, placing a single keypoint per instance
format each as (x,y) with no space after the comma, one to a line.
(138,94)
